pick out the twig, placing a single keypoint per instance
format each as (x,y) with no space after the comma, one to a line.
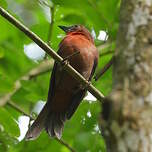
(69,56)
(44,3)
(4,99)
(17,108)
(41,68)
(104,45)
(65,144)
(52,53)
(106,53)
(52,9)
(104,69)
(107,45)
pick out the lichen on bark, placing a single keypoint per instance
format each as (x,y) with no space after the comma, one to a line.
(126,120)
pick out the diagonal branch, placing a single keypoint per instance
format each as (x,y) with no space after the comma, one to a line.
(65,144)
(52,10)
(106,53)
(52,53)
(43,67)
(104,69)
(44,3)
(17,108)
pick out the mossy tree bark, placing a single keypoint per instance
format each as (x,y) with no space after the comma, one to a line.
(126,120)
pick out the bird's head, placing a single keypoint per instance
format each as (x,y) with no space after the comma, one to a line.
(73,28)
(76,29)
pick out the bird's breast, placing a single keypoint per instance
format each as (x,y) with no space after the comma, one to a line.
(82,62)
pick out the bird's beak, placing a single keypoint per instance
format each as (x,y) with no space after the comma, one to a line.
(64,28)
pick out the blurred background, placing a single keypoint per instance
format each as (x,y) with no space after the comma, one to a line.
(25,71)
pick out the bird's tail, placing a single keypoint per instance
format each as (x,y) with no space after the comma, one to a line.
(36,128)
(52,122)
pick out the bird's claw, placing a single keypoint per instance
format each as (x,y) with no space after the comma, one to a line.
(65,60)
(63,63)
(86,85)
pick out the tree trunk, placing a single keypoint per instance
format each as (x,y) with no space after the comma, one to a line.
(126,120)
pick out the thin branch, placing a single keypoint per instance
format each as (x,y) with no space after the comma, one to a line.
(44,3)
(104,45)
(52,53)
(106,53)
(108,46)
(65,144)
(68,57)
(52,9)
(20,110)
(17,108)
(41,68)
(104,69)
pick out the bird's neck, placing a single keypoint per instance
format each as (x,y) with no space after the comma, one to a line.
(86,35)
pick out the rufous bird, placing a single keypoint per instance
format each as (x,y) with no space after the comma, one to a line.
(65,93)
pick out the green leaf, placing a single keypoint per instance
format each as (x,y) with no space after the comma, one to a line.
(1,52)
(9,124)
(6,141)
(6,84)
(3,3)
(74,19)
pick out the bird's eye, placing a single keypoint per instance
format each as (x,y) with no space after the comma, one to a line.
(76,26)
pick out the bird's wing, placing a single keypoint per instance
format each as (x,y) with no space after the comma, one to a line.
(79,94)
(52,83)
(94,68)
(76,99)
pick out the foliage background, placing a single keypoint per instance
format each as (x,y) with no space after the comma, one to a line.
(81,132)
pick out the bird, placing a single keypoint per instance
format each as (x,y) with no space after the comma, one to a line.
(65,93)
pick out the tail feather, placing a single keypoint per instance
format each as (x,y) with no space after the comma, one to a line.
(51,121)
(58,128)
(54,124)
(36,128)
(49,125)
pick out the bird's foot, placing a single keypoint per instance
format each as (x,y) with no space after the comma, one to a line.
(71,55)
(63,63)
(65,60)
(83,87)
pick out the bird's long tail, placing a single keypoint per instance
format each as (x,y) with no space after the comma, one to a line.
(52,122)
(36,128)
